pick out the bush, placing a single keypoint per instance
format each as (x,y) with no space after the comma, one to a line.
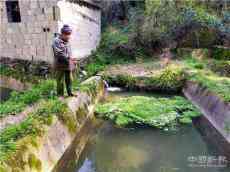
(171,78)
(221,53)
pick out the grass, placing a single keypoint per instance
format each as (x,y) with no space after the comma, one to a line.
(220,67)
(170,78)
(37,121)
(155,112)
(217,84)
(173,76)
(19,100)
(33,125)
(214,83)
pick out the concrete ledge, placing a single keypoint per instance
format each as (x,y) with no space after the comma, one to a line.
(213,107)
(43,153)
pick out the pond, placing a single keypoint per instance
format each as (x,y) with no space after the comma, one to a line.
(146,149)
(4,93)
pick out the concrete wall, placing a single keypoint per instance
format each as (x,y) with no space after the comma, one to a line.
(214,109)
(27,39)
(50,148)
(86,24)
(31,38)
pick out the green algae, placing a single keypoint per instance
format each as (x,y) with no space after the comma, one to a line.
(155,112)
(34,125)
(23,157)
(34,162)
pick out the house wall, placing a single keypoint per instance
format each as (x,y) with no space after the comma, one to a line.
(27,39)
(86,25)
(31,39)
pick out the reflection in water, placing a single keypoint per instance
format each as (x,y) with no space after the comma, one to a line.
(87,166)
(4,93)
(144,150)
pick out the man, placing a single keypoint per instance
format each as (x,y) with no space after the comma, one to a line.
(63,61)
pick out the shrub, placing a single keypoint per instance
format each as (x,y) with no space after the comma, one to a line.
(171,78)
(221,53)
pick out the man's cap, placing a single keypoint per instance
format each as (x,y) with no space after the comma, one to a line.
(66,29)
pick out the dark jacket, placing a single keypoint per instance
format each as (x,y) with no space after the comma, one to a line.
(62,54)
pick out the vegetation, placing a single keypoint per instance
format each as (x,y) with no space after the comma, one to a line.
(155,112)
(33,125)
(221,53)
(19,100)
(198,71)
(113,49)
(214,83)
(163,24)
(221,67)
(167,21)
(19,73)
(170,78)
(49,108)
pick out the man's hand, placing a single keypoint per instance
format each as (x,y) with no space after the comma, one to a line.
(74,60)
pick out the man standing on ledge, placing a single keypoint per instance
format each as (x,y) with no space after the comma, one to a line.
(63,62)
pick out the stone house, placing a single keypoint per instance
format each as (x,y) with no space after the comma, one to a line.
(27,27)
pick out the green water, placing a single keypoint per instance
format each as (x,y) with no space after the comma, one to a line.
(115,149)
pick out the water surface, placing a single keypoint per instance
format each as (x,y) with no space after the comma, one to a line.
(115,149)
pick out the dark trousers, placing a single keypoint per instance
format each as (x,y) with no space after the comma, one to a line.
(61,76)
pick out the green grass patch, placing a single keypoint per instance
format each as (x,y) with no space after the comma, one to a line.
(214,83)
(207,75)
(19,100)
(33,125)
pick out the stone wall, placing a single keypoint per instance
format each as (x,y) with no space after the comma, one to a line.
(31,38)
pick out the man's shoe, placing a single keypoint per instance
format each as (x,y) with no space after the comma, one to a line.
(72,95)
